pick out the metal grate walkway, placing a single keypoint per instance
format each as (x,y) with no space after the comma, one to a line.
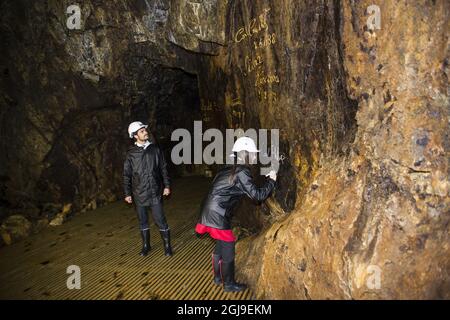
(105,243)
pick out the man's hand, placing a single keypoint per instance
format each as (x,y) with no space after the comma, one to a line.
(166,192)
(128,199)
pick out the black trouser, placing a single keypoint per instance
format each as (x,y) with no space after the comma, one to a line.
(158,217)
(225,250)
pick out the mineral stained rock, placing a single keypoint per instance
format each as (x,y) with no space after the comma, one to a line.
(67,96)
(362,209)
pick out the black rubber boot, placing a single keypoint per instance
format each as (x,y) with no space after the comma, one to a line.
(216,262)
(145,242)
(229,284)
(165,235)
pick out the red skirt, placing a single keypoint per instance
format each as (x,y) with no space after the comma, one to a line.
(224,235)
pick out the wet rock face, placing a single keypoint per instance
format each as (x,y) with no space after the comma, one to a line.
(15,228)
(361,102)
(362,105)
(198,26)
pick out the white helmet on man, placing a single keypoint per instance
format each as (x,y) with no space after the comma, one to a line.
(244,143)
(134,127)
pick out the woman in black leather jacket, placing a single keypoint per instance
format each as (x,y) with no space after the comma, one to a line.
(228,187)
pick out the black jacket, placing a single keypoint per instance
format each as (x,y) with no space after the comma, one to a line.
(144,175)
(217,208)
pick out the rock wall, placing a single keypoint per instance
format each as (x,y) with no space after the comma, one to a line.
(373,223)
(361,210)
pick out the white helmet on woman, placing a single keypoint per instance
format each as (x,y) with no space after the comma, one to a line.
(134,127)
(244,143)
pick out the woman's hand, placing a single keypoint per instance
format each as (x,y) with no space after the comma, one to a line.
(128,199)
(273,175)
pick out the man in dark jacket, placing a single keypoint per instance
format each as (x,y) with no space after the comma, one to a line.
(144,175)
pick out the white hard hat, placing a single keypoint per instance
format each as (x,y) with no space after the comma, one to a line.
(134,127)
(244,143)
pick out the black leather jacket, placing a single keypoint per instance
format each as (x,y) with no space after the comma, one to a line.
(144,174)
(217,208)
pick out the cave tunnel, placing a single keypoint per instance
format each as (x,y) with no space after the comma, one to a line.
(347,99)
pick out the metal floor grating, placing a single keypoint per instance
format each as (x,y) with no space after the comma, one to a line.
(105,243)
